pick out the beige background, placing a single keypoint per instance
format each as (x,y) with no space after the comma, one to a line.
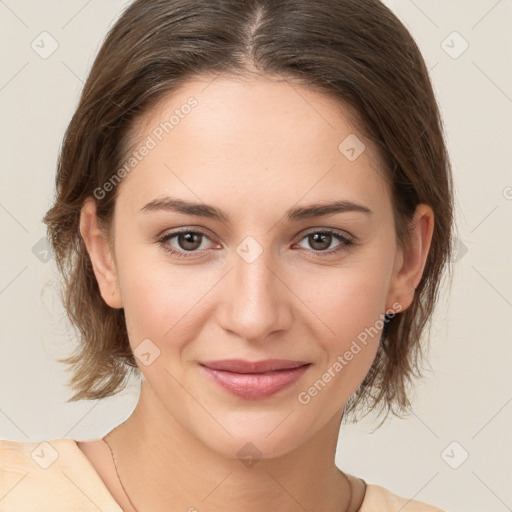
(466,397)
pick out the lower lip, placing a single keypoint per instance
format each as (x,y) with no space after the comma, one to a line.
(254,386)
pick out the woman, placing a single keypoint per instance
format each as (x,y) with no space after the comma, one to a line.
(253,212)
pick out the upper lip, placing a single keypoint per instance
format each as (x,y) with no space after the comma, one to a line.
(243,366)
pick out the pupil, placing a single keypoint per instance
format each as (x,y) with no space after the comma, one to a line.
(321,238)
(188,239)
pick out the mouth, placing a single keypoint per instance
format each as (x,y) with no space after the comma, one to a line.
(254,380)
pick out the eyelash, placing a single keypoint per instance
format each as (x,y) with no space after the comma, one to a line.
(345,242)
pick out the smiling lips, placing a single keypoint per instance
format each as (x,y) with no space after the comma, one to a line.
(254,380)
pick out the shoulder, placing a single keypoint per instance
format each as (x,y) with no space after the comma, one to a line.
(380,499)
(49,475)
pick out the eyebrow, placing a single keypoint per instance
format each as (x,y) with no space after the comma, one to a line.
(293,214)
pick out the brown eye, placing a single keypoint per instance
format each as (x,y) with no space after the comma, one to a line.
(185,243)
(320,241)
(189,241)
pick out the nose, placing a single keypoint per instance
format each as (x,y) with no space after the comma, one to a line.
(255,299)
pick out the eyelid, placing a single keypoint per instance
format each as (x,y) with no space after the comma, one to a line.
(166,236)
(186,229)
(207,234)
(346,240)
(340,232)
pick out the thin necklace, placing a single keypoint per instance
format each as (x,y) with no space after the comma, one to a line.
(135,508)
(118,477)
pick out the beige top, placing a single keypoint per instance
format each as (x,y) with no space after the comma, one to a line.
(56,476)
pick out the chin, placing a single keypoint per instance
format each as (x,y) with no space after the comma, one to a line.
(254,436)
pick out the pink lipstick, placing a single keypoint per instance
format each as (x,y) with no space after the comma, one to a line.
(254,380)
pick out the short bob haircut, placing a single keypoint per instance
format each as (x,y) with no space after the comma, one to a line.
(356,51)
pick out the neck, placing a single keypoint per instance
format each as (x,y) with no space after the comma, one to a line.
(167,468)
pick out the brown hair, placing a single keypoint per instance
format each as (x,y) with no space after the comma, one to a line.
(354,50)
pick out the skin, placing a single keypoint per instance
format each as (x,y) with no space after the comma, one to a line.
(253,148)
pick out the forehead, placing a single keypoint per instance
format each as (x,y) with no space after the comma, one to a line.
(259,139)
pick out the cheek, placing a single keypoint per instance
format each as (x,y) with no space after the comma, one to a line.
(348,309)
(161,301)
(344,301)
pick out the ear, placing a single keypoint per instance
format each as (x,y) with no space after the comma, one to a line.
(103,263)
(409,266)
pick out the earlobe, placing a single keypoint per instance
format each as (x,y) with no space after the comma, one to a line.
(100,253)
(411,264)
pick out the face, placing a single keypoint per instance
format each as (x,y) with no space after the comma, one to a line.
(257,274)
